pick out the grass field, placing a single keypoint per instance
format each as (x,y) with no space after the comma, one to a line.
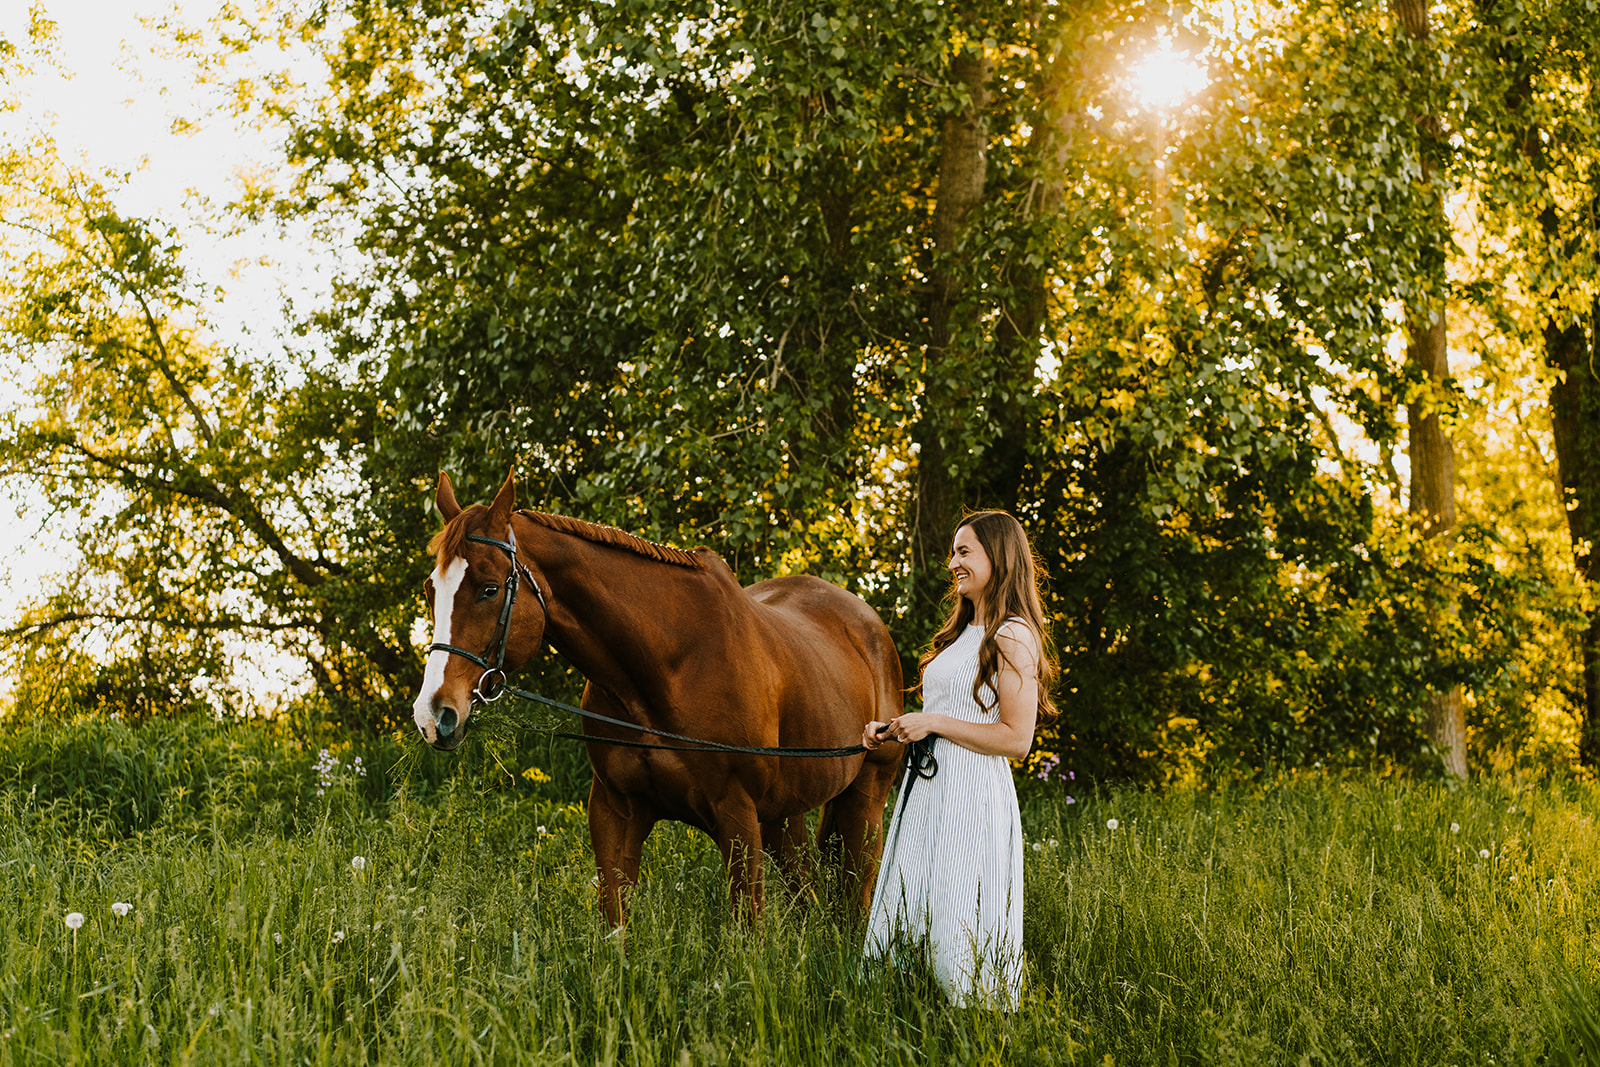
(1312,921)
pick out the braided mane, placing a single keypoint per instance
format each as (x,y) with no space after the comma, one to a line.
(449,542)
(609,535)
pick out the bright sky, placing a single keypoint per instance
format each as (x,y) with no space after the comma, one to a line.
(110,105)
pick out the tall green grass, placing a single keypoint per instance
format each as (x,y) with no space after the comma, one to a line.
(1316,921)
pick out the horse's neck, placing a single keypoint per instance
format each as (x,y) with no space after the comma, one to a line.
(619,617)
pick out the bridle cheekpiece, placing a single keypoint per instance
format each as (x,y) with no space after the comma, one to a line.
(492,683)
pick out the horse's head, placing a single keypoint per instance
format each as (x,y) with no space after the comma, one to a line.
(488,613)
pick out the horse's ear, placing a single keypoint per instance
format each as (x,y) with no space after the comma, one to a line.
(505,501)
(445,498)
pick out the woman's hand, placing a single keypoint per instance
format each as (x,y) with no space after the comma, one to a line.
(875,734)
(914,726)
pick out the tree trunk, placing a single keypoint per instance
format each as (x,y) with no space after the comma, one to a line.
(1575,415)
(1024,311)
(1573,352)
(1433,503)
(941,469)
(1432,455)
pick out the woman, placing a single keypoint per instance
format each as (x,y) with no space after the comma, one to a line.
(952,863)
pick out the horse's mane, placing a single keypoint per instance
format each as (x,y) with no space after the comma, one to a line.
(448,542)
(610,535)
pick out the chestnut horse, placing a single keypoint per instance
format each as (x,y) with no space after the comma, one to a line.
(668,640)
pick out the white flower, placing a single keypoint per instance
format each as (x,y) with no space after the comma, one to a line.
(277,937)
(1111,824)
(119,909)
(1483,853)
(1037,846)
(1455,828)
(73,920)
(542,830)
(338,936)
(358,863)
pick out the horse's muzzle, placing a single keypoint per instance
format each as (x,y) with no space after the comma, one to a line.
(449,729)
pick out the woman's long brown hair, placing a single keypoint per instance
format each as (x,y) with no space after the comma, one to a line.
(1012,591)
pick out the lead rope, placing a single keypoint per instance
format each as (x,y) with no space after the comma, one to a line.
(695,744)
(920,763)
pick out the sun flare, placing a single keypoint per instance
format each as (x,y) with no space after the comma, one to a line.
(1165,78)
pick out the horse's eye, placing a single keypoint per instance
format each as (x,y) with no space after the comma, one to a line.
(489,592)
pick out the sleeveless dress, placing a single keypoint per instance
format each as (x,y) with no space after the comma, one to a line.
(952,863)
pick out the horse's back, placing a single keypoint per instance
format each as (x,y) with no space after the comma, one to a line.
(831,630)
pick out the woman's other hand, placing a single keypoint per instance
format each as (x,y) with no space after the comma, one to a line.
(914,726)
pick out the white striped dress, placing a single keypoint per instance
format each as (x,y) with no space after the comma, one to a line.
(952,861)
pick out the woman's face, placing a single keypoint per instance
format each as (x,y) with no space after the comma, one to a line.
(969,564)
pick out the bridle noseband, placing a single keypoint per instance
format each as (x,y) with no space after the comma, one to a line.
(492,683)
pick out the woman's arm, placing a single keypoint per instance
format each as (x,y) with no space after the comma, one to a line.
(1017,682)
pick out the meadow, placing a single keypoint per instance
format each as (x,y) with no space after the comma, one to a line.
(247,898)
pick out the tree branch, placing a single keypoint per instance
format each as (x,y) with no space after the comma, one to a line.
(199,488)
(35,629)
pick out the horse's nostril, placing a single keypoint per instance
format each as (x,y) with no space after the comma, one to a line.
(447,722)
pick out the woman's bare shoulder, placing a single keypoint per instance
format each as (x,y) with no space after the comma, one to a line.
(1016,636)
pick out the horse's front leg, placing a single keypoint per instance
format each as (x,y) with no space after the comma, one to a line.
(738,835)
(618,825)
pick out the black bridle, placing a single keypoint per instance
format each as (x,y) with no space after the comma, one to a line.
(489,689)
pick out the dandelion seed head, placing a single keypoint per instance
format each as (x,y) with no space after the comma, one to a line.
(338,936)
(121,908)
(358,863)
(73,920)
(1111,824)
(1483,853)
(1455,828)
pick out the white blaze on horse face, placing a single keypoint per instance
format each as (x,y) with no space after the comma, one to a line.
(445,583)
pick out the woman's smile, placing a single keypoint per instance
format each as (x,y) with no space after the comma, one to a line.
(969,564)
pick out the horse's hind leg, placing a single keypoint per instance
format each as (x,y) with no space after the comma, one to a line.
(851,831)
(618,825)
